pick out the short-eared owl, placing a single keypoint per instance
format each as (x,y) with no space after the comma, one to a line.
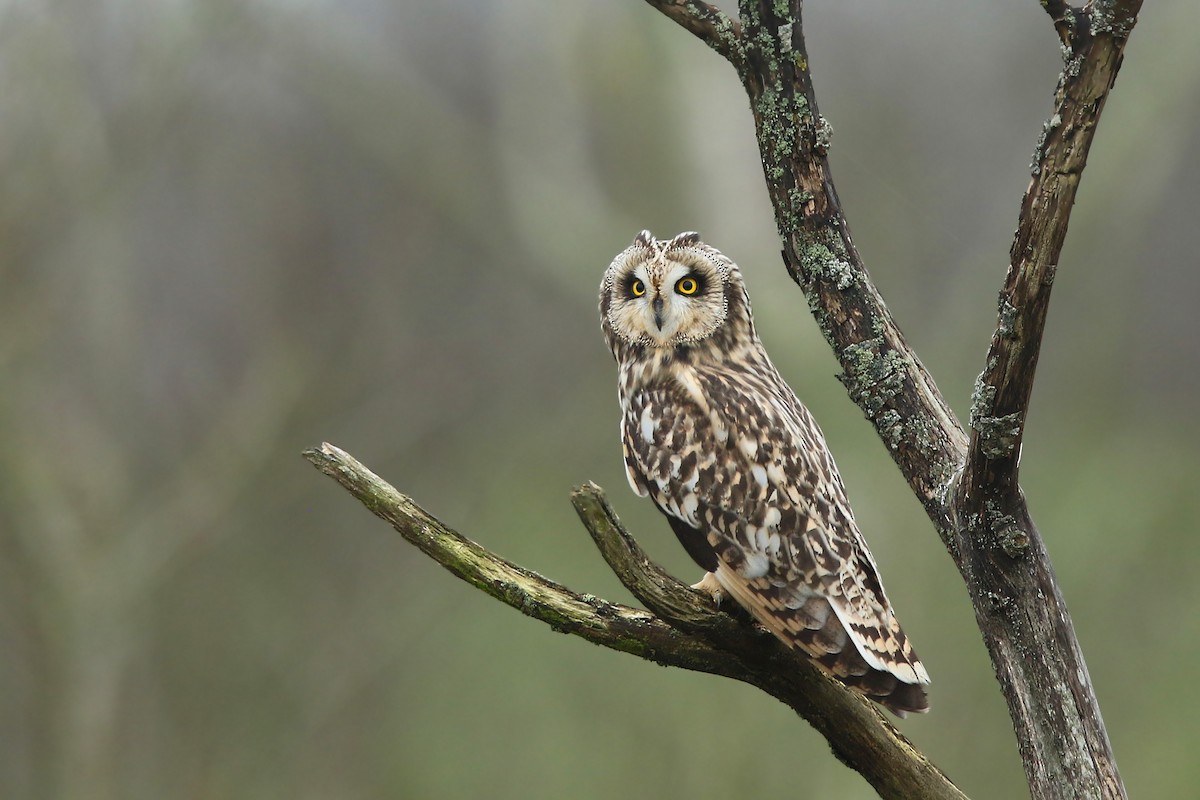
(740,469)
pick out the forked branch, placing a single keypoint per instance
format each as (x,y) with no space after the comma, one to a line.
(682,629)
(968,486)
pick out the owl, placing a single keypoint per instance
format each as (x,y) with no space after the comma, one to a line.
(721,444)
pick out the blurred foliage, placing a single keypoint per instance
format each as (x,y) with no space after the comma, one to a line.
(232,229)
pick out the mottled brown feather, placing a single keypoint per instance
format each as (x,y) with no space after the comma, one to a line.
(724,448)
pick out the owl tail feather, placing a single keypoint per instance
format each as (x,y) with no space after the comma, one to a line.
(816,630)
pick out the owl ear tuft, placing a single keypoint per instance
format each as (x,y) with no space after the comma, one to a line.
(646,239)
(685,239)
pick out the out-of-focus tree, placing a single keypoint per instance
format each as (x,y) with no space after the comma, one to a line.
(228,230)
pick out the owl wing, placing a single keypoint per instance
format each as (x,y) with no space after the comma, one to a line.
(745,478)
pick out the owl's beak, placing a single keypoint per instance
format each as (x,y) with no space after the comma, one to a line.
(658,317)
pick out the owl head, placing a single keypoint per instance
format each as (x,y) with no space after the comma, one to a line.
(667,294)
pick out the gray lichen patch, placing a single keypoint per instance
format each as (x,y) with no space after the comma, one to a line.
(997,435)
(1039,151)
(983,398)
(822,135)
(1008,315)
(817,260)
(1007,532)
(874,375)
(1104,18)
(785,38)
(891,428)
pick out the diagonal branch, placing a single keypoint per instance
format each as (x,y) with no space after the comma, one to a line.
(1066,17)
(683,629)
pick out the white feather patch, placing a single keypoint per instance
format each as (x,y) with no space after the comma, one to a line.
(749,447)
(688,509)
(759,474)
(756,565)
(647,423)
(870,657)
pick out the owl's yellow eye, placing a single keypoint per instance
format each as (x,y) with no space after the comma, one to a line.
(637,287)
(687,285)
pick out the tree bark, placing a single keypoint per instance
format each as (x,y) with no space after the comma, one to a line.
(681,629)
(968,486)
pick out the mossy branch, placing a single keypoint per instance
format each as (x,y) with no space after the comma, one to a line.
(968,485)
(681,629)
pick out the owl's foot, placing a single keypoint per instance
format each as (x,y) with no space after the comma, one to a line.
(711,587)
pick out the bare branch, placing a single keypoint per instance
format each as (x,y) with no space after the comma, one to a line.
(686,632)
(1066,19)
(1003,390)
(707,22)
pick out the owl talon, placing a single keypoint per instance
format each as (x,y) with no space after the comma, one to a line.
(711,587)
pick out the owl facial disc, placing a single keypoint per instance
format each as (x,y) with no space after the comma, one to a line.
(663,294)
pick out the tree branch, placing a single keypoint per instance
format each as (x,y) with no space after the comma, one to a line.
(684,630)
(981,517)
(708,23)
(1002,393)
(1003,557)
(881,372)
(1066,19)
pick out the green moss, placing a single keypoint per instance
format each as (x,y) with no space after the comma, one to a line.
(798,198)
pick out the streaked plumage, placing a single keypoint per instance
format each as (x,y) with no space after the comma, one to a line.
(741,470)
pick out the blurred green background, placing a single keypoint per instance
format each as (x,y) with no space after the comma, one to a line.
(231,230)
